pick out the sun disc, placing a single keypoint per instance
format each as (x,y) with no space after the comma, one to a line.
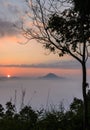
(8,75)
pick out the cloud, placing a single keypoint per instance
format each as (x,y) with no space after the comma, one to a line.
(70,64)
(10,13)
(14,9)
(62,65)
(11,6)
(7,28)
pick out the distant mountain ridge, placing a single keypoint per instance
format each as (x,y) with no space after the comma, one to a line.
(47,76)
(51,76)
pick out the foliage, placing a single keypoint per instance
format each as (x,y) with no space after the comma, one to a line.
(53,119)
(66,28)
(82,6)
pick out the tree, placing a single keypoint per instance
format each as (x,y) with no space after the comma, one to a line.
(10,110)
(63,30)
(82,7)
(73,117)
(1,111)
(28,117)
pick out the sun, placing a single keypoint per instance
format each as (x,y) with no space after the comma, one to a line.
(8,75)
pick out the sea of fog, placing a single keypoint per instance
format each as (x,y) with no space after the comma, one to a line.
(39,93)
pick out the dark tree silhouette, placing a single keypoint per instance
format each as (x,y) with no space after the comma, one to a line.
(10,110)
(63,27)
(82,7)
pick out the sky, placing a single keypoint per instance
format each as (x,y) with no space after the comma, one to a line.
(30,59)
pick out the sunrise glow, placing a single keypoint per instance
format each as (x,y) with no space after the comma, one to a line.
(16,56)
(8,75)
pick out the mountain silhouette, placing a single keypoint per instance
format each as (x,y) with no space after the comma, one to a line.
(51,76)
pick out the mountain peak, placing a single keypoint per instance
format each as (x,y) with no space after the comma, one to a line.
(51,76)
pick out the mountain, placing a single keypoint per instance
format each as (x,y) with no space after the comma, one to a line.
(51,76)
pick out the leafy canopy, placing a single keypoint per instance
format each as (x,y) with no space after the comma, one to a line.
(66,28)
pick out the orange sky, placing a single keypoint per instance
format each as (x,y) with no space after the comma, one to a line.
(36,72)
(13,53)
(4,71)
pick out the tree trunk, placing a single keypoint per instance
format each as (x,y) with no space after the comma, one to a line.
(85,105)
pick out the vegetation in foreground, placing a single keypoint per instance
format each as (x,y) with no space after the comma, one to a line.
(53,119)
